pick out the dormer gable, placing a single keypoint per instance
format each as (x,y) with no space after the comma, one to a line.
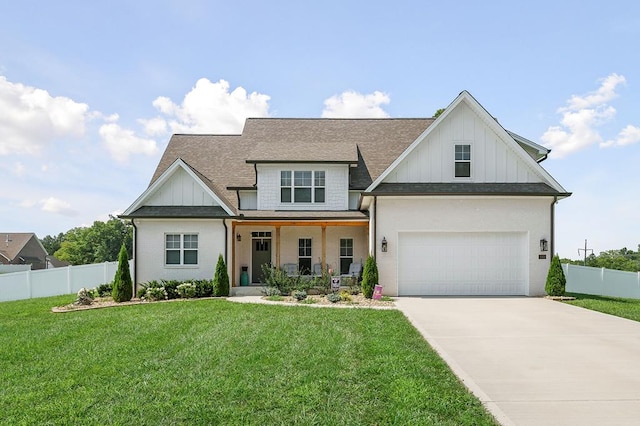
(178,186)
(465,144)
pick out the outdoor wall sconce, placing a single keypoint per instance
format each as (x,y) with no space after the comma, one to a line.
(238,237)
(384,245)
(544,245)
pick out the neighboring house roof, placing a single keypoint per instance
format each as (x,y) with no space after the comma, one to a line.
(11,244)
(57,263)
(200,212)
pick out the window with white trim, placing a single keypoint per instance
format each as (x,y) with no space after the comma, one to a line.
(463,161)
(302,186)
(181,249)
(346,255)
(304,255)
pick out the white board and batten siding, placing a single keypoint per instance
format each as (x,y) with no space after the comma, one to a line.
(493,160)
(462,263)
(181,190)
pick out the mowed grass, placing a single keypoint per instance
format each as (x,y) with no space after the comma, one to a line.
(624,308)
(217,362)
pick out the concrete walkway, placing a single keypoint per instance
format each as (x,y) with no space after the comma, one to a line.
(533,361)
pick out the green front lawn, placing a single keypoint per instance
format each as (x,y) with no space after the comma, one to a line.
(217,362)
(625,308)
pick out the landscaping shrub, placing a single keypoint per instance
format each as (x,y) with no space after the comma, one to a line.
(321,283)
(333,297)
(345,296)
(171,287)
(369,277)
(105,290)
(84,297)
(204,288)
(556,280)
(279,279)
(186,290)
(122,285)
(299,295)
(221,279)
(271,291)
(156,293)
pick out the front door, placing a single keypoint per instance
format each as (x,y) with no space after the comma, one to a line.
(260,254)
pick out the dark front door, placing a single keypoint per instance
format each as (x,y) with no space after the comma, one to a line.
(260,254)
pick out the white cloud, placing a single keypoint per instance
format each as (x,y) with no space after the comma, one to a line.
(57,206)
(122,143)
(627,136)
(31,118)
(351,104)
(208,108)
(19,169)
(581,119)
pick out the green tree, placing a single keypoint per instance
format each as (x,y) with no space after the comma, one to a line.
(556,280)
(122,285)
(221,279)
(369,277)
(52,243)
(98,243)
(438,112)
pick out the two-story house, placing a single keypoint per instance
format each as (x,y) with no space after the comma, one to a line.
(452,205)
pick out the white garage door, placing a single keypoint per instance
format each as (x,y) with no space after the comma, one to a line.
(456,263)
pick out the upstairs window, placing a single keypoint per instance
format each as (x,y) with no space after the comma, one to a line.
(181,249)
(463,161)
(302,186)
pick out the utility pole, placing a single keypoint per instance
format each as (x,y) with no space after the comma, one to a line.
(585,250)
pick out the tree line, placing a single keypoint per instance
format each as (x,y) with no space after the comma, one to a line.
(100,242)
(621,260)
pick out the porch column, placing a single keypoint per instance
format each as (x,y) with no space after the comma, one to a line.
(324,247)
(277,246)
(233,255)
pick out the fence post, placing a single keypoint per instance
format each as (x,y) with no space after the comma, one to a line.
(29,284)
(602,281)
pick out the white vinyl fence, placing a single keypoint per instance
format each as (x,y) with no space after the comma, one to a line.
(55,282)
(601,281)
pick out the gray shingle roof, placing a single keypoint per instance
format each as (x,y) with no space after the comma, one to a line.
(464,188)
(199,212)
(221,161)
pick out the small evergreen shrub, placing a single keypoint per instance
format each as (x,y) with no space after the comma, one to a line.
(299,295)
(369,277)
(186,290)
(345,296)
(122,285)
(221,279)
(556,281)
(204,288)
(271,291)
(333,297)
(105,290)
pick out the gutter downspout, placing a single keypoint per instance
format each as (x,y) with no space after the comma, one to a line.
(375,225)
(553,225)
(226,240)
(135,257)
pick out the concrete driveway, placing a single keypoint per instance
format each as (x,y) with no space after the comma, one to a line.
(533,361)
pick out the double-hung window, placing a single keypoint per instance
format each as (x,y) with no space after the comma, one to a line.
(181,249)
(304,255)
(346,255)
(302,186)
(463,161)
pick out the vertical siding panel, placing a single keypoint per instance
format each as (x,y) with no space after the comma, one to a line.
(512,167)
(490,156)
(435,157)
(479,152)
(501,160)
(457,122)
(469,124)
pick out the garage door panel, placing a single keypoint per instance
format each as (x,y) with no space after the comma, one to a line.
(440,263)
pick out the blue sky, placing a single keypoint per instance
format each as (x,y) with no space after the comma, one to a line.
(91,92)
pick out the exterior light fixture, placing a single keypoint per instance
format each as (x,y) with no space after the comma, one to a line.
(544,245)
(238,237)
(384,245)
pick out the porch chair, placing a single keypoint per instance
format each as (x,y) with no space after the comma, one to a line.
(317,269)
(355,270)
(291,269)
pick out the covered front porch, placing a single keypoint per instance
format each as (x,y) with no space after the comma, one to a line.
(307,246)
